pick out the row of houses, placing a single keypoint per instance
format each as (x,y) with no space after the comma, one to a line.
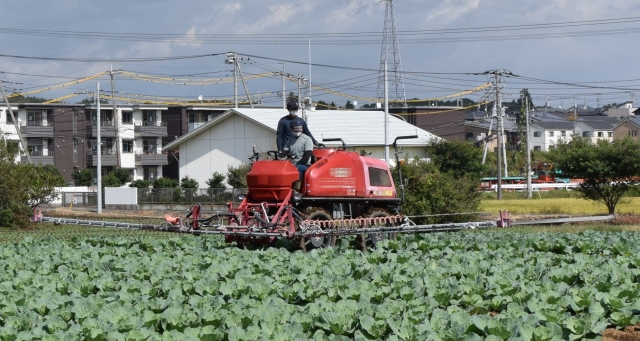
(176,141)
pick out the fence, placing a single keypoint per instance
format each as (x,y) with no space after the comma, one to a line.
(80,199)
(188,196)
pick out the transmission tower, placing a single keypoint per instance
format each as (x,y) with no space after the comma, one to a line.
(390,47)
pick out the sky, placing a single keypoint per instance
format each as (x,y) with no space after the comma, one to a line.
(563,52)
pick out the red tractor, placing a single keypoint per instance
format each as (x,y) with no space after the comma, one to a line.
(342,193)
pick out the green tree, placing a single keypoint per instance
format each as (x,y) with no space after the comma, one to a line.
(237,176)
(435,194)
(56,176)
(164,182)
(609,169)
(349,105)
(188,182)
(216,180)
(459,158)
(322,105)
(83,177)
(122,174)
(22,187)
(111,180)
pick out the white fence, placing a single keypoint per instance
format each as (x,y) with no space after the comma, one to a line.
(537,187)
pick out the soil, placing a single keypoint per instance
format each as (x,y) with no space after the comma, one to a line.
(631,333)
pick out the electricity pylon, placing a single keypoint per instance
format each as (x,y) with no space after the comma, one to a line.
(390,47)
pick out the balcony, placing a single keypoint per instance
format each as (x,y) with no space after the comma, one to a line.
(150,129)
(151,158)
(36,129)
(107,129)
(39,158)
(108,158)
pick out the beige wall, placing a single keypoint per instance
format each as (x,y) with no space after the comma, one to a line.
(626,129)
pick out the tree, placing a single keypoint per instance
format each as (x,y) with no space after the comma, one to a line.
(322,105)
(188,182)
(164,182)
(22,187)
(459,158)
(237,176)
(609,169)
(432,192)
(349,105)
(292,96)
(216,180)
(83,177)
(122,175)
(56,176)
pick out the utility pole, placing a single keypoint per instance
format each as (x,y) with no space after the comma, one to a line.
(116,117)
(498,105)
(284,94)
(309,83)
(16,124)
(246,91)
(526,117)
(231,59)
(99,150)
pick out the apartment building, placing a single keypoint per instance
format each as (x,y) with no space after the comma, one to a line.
(65,135)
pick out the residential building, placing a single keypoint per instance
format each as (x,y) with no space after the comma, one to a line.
(544,135)
(627,127)
(596,127)
(65,135)
(228,139)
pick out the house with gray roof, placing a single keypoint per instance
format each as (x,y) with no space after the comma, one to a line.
(596,127)
(545,134)
(627,127)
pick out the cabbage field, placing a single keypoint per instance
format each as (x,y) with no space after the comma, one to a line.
(441,286)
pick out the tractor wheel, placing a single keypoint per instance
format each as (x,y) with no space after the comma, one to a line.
(369,240)
(310,243)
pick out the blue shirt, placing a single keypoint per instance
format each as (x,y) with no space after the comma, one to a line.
(284,132)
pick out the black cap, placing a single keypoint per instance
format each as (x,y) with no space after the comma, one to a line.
(292,104)
(296,122)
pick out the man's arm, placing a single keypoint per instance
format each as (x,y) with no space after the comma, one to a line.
(280,136)
(305,130)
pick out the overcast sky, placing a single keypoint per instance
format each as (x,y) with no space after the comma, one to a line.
(562,50)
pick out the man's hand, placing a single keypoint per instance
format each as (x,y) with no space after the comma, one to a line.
(282,154)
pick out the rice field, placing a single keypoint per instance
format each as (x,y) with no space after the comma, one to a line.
(568,206)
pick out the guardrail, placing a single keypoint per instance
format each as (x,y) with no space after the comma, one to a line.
(557,185)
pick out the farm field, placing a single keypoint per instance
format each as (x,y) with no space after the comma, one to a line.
(569,206)
(80,283)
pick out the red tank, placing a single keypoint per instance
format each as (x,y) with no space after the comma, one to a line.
(271,180)
(347,174)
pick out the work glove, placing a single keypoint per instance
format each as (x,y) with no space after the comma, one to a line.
(282,154)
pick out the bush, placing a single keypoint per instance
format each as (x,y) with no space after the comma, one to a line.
(57,177)
(140,184)
(216,180)
(237,176)
(83,177)
(163,182)
(432,192)
(22,187)
(121,174)
(188,182)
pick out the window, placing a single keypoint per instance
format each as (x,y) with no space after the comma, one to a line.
(610,134)
(127,146)
(537,148)
(149,146)
(437,120)
(563,133)
(469,136)
(537,133)
(150,173)
(600,134)
(9,119)
(379,177)
(148,117)
(585,134)
(75,150)
(550,134)
(127,117)
(75,120)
